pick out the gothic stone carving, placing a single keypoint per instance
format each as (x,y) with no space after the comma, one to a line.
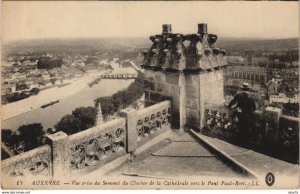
(32,163)
(153,121)
(169,52)
(91,151)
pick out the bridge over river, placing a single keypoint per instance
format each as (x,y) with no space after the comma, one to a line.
(119,76)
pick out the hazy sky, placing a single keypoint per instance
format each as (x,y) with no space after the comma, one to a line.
(44,19)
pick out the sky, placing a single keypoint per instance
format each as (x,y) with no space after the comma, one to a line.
(69,19)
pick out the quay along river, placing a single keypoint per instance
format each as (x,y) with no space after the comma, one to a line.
(50,115)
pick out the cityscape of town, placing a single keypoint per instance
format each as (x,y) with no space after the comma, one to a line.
(151,95)
(65,68)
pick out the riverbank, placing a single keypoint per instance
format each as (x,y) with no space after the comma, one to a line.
(53,94)
(50,115)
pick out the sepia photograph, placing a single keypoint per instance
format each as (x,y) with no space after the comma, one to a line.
(150,95)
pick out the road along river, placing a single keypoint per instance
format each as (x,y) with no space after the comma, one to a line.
(50,115)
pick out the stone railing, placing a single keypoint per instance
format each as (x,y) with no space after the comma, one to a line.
(221,118)
(270,127)
(36,162)
(152,118)
(289,131)
(144,122)
(90,149)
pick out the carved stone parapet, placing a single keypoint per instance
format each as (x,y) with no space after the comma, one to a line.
(93,146)
(36,162)
(152,119)
(169,52)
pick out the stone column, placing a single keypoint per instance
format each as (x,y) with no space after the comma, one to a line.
(131,130)
(202,91)
(182,98)
(60,154)
(272,124)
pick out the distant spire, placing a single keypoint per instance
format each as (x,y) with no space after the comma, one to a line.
(99,119)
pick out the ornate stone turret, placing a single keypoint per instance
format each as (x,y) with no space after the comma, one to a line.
(202,52)
(190,76)
(99,119)
(167,50)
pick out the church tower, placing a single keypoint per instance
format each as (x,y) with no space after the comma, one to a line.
(99,119)
(186,69)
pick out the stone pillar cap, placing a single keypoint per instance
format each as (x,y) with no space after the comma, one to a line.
(202,28)
(57,136)
(166,28)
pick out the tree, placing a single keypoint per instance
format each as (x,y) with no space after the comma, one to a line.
(34,91)
(68,124)
(81,119)
(32,135)
(53,80)
(17,144)
(122,98)
(12,141)
(86,117)
(49,63)
(6,136)
(107,105)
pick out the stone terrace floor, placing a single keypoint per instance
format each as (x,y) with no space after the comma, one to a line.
(182,154)
(178,154)
(258,163)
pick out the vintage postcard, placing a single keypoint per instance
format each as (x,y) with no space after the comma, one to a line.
(150,95)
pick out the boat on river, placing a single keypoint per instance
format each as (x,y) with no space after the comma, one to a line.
(50,104)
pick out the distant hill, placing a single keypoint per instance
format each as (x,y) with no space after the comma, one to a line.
(88,45)
(238,44)
(75,45)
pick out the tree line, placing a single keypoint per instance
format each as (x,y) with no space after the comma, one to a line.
(31,136)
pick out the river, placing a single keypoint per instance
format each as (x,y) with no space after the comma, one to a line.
(50,115)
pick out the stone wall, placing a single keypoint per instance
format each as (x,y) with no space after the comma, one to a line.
(160,86)
(36,162)
(271,127)
(90,149)
(189,92)
(193,98)
(146,121)
(93,147)
(202,89)
(289,131)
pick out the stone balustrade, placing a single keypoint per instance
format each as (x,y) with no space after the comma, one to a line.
(152,118)
(289,131)
(270,126)
(90,149)
(36,162)
(92,146)
(146,121)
